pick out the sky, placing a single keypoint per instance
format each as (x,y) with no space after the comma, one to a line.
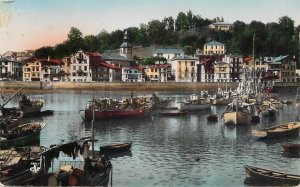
(31,24)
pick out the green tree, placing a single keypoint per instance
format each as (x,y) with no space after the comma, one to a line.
(75,41)
(181,22)
(44,52)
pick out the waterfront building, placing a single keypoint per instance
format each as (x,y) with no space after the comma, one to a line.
(80,67)
(105,72)
(223,26)
(66,61)
(221,71)
(10,69)
(205,70)
(214,47)
(133,74)
(158,73)
(35,69)
(168,53)
(284,68)
(184,68)
(236,66)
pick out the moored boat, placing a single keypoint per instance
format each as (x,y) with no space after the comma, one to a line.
(106,108)
(271,177)
(25,134)
(117,147)
(30,107)
(158,102)
(291,147)
(178,113)
(212,118)
(284,130)
(195,102)
(238,113)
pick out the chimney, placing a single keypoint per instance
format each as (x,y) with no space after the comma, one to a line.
(48,58)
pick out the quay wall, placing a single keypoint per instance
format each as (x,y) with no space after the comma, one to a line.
(115,86)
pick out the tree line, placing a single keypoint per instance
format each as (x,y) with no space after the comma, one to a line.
(189,32)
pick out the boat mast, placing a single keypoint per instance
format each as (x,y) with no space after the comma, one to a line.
(254,63)
(10,98)
(92,126)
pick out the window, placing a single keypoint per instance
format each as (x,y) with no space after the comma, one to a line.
(179,63)
(73,74)
(85,68)
(185,63)
(74,67)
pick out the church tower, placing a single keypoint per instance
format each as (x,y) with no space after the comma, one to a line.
(126,48)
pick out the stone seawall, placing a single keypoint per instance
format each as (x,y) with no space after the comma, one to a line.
(116,86)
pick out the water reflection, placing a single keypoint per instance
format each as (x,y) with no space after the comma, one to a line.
(173,151)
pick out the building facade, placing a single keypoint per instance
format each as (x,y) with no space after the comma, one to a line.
(214,47)
(220,26)
(184,68)
(168,53)
(131,74)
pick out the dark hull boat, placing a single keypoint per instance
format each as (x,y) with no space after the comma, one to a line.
(118,147)
(293,148)
(23,135)
(284,130)
(212,118)
(114,114)
(180,113)
(30,107)
(270,177)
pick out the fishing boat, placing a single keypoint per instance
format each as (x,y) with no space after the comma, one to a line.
(212,118)
(238,113)
(267,109)
(93,172)
(284,130)
(30,107)
(291,147)
(222,98)
(195,102)
(271,177)
(158,102)
(107,108)
(117,147)
(25,134)
(177,113)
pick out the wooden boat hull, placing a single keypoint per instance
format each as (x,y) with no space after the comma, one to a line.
(295,148)
(102,115)
(212,118)
(222,101)
(116,147)
(192,107)
(237,118)
(284,130)
(268,112)
(32,138)
(31,110)
(172,113)
(271,177)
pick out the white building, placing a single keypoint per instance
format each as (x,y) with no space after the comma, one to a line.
(10,69)
(223,26)
(131,74)
(184,68)
(81,62)
(167,53)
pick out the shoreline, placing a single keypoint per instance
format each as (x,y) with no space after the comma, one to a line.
(57,87)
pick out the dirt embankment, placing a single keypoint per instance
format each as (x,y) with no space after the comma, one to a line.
(37,87)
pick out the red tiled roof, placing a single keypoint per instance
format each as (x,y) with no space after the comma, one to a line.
(55,62)
(247,59)
(110,66)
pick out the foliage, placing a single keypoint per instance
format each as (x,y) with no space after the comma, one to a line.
(190,32)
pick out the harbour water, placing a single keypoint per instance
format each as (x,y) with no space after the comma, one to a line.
(172,151)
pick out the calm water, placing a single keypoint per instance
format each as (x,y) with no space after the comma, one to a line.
(165,150)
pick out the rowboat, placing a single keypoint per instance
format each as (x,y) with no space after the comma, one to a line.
(118,147)
(179,113)
(25,134)
(284,130)
(289,147)
(212,117)
(271,177)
